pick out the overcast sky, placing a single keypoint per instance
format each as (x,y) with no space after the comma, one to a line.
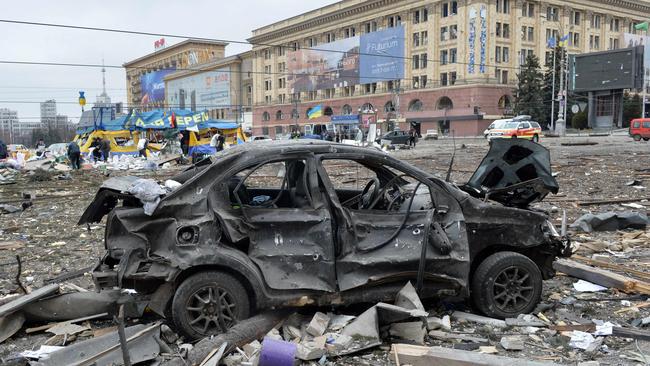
(198,18)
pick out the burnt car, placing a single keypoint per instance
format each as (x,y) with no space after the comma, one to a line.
(295,223)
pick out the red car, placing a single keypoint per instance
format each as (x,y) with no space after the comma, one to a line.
(640,129)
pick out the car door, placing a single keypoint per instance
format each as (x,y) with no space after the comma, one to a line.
(289,226)
(386,245)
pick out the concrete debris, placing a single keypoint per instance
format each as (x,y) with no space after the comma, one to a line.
(408,298)
(461,316)
(412,332)
(443,323)
(10,325)
(318,324)
(512,343)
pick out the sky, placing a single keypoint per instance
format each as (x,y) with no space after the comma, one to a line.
(30,84)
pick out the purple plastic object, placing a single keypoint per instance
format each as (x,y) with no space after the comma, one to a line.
(277,353)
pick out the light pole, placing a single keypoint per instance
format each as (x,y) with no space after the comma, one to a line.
(396,91)
(561,113)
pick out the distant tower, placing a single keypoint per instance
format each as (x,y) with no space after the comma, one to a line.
(103,100)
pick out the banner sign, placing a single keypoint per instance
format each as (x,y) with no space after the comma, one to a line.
(370,58)
(345,117)
(159,120)
(153,86)
(206,90)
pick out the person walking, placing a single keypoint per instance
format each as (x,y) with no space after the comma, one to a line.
(3,150)
(143,145)
(74,155)
(412,137)
(105,147)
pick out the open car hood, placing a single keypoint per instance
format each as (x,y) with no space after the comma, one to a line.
(514,172)
(106,199)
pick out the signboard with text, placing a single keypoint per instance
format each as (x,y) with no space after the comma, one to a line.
(206,90)
(369,58)
(153,85)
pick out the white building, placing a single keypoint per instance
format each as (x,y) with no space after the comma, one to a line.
(8,119)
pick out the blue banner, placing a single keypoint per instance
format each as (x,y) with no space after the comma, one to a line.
(345,118)
(389,42)
(153,86)
(159,120)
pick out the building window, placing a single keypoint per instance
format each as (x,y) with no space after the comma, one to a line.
(552,14)
(499,32)
(497,55)
(527,34)
(506,30)
(444,103)
(282,83)
(595,21)
(394,21)
(453,31)
(449,8)
(574,39)
(506,54)
(350,32)
(614,25)
(604,106)
(452,78)
(281,51)
(420,15)
(594,42)
(613,44)
(453,53)
(444,57)
(346,110)
(528,10)
(503,6)
(444,34)
(423,61)
(266,116)
(552,33)
(423,81)
(525,54)
(415,106)
(268,85)
(330,37)
(282,67)
(312,42)
(370,88)
(416,39)
(424,38)
(279,116)
(267,54)
(370,27)
(575,17)
(416,62)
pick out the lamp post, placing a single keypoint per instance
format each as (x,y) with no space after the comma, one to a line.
(561,113)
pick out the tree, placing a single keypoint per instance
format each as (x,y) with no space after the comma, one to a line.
(631,108)
(529,94)
(579,120)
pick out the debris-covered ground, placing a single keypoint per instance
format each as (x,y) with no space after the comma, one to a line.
(611,176)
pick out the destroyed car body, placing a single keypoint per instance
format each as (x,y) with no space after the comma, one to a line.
(293,223)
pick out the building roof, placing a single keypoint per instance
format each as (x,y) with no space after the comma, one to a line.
(175,47)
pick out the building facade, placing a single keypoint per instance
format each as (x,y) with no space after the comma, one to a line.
(48,113)
(8,124)
(460,61)
(223,87)
(145,75)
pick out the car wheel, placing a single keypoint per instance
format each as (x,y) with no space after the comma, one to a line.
(514,136)
(637,137)
(536,138)
(209,303)
(646,138)
(506,284)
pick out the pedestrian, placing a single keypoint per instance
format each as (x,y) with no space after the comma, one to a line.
(412,137)
(74,155)
(105,147)
(3,150)
(143,144)
(40,147)
(214,142)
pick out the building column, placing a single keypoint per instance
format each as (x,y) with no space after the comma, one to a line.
(591,110)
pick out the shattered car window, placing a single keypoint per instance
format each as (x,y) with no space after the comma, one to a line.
(275,184)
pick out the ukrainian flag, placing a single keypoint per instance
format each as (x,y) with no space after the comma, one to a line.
(564,41)
(315,112)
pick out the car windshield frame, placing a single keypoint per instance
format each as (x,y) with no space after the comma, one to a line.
(510,125)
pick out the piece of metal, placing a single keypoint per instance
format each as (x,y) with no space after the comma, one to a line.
(119,320)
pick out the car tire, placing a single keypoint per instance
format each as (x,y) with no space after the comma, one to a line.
(536,138)
(637,137)
(646,138)
(506,284)
(194,300)
(514,136)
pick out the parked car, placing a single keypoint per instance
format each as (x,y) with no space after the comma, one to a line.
(431,135)
(640,129)
(528,130)
(291,223)
(393,138)
(260,138)
(497,124)
(14,149)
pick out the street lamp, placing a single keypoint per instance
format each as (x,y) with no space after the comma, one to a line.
(561,114)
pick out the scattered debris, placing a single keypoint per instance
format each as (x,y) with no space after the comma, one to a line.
(611,221)
(424,356)
(601,277)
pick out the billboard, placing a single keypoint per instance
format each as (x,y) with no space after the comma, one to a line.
(153,86)
(370,58)
(608,70)
(210,89)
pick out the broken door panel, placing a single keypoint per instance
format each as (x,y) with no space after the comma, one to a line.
(293,247)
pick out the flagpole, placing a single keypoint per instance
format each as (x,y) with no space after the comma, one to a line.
(553,95)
